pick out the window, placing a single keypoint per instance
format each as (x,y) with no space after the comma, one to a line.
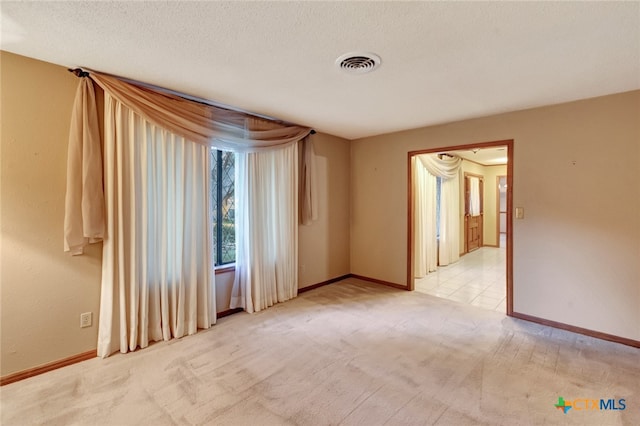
(222,194)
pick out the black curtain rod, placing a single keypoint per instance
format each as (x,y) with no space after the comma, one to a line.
(79,72)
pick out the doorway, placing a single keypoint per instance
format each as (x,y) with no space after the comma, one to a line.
(479,248)
(473,211)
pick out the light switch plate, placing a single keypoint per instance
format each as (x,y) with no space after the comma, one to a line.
(85,319)
(519,212)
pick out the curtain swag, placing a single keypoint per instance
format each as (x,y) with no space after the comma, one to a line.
(445,167)
(84,200)
(204,124)
(200,123)
(308,184)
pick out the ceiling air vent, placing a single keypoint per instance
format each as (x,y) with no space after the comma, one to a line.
(358,63)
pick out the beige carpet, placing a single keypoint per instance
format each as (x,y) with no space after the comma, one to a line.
(350,353)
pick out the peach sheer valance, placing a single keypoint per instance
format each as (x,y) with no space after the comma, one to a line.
(201,123)
(198,122)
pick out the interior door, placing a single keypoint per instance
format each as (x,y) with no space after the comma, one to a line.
(473,223)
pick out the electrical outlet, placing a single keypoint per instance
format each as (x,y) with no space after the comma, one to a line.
(85,320)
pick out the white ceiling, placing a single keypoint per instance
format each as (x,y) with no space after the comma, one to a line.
(441,61)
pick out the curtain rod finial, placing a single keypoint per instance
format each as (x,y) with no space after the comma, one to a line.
(79,72)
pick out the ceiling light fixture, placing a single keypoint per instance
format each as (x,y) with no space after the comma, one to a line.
(358,62)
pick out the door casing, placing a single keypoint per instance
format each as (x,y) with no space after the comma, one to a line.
(410,199)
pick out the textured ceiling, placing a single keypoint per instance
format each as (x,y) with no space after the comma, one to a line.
(441,61)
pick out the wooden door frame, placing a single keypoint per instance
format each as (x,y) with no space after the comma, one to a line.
(410,199)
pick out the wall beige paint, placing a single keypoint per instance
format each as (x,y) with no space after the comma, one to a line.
(224,285)
(324,244)
(577,175)
(43,290)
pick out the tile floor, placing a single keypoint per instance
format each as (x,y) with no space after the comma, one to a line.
(478,278)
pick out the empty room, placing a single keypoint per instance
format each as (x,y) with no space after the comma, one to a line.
(319,213)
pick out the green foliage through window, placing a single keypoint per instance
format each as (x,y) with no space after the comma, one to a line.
(222,191)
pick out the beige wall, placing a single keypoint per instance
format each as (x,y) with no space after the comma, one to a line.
(224,285)
(43,290)
(324,244)
(575,252)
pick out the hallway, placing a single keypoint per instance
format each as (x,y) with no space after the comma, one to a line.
(478,279)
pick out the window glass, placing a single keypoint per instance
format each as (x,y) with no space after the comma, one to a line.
(222,194)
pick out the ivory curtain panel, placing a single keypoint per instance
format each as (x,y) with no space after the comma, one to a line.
(449,239)
(157,266)
(425,242)
(430,248)
(266,228)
